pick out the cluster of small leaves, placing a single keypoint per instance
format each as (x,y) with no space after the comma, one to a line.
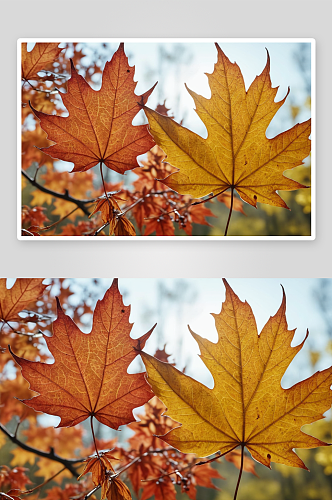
(163,200)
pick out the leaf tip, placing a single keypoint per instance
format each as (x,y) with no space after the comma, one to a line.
(115,283)
(58,305)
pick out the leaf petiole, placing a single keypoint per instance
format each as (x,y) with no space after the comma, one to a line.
(240,473)
(230,211)
(93,435)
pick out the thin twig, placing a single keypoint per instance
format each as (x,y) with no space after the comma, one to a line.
(27,492)
(190,466)
(55,90)
(31,335)
(101,228)
(4,495)
(210,197)
(91,492)
(51,455)
(63,196)
(113,475)
(27,232)
(47,228)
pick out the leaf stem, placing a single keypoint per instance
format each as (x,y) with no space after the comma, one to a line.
(105,191)
(94,438)
(230,211)
(241,470)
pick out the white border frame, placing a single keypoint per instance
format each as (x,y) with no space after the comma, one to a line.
(312,41)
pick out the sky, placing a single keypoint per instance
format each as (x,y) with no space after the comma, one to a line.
(195,299)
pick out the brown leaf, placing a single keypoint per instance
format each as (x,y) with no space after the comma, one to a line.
(23,292)
(162,225)
(124,227)
(89,374)
(117,490)
(235,458)
(36,60)
(99,126)
(226,198)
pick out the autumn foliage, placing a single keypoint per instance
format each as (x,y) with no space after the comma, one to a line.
(180,419)
(183,176)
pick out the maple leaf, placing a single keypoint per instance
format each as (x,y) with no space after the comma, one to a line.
(200,476)
(35,215)
(89,374)
(234,457)
(247,405)
(10,405)
(161,489)
(40,56)
(83,228)
(226,198)
(162,355)
(236,153)
(196,214)
(99,126)
(23,292)
(32,140)
(107,207)
(15,477)
(124,227)
(68,492)
(99,466)
(162,225)
(117,490)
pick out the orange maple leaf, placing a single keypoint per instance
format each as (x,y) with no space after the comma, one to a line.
(124,227)
(23,292)
(99,126)
(15,478)
(160,490)
(89,374)
(247,406)
(117,490)
(40,56)
(162,225)
(99,466)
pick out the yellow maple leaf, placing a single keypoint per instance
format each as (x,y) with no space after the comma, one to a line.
(247,406)
(236,155)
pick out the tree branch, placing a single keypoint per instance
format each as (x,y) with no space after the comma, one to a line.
(51,455)
(63,196)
